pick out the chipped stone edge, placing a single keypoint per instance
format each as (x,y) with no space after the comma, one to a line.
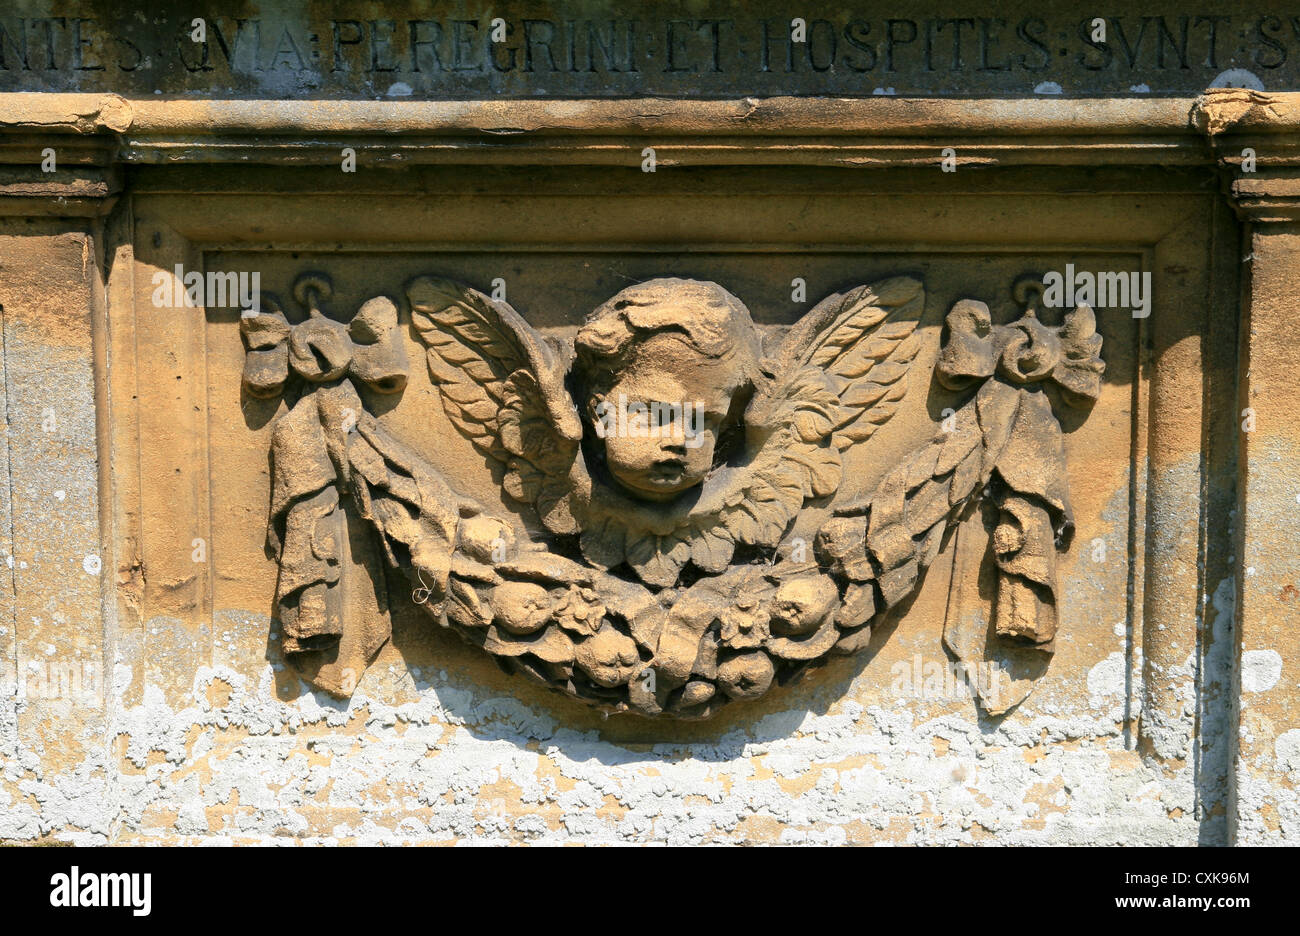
(74,113)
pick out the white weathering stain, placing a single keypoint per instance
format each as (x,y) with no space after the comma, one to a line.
(439,764)
(1287,751)
(1107,677)
(1260,670)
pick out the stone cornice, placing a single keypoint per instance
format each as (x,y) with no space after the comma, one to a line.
(1255,139)
(875,132)
(93,132)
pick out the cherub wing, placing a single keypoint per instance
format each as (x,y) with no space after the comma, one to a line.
(502,385)
(863,343)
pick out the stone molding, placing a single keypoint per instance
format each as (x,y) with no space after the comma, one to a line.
(101,139)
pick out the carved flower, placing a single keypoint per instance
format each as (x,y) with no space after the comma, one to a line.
(841,544)
(743,625)
(580,611)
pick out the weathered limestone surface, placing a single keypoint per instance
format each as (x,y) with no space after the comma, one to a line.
(854,284)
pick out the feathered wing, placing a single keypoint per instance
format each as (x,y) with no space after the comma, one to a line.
(862,344)
(502,385)
(836,377)
(863,341)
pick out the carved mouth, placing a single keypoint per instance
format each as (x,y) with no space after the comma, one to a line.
(668,470)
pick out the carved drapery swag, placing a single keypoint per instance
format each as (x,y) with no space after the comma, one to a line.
(665,581)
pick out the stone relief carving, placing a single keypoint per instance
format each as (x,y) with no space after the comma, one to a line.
(667,452)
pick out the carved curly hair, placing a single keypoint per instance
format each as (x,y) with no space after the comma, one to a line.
(703,315)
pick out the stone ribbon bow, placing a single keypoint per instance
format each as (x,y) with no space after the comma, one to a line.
(319,505)
(321,350)
(1024,358)
(1023,352)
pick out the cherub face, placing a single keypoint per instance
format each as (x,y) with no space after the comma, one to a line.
(661,418)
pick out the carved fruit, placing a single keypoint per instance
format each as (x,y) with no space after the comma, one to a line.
(609,657)
(486,539)
(800,605)
(697,692)
(746,676)
(841,539)
(805,648)
(521,607)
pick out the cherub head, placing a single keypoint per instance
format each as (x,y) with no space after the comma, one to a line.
(666,368)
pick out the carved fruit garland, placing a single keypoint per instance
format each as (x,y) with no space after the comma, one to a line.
(623,630)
